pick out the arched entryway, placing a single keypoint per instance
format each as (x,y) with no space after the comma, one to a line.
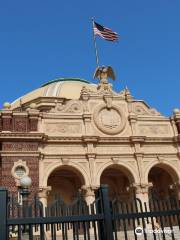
(119,181)
(65,181)
(163,179)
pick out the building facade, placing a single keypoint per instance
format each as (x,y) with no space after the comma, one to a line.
(71,135)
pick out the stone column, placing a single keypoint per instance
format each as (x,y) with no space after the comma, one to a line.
(89,193)
(142,192)
(43,194)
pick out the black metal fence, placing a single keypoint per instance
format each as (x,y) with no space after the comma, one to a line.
(102,220)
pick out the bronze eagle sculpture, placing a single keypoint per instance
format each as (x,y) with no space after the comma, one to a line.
(104,73)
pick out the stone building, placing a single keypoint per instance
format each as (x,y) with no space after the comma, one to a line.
(71,134)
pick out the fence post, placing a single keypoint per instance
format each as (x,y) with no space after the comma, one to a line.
(108,229)
(3,212)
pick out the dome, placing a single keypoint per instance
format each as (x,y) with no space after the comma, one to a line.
(69,88)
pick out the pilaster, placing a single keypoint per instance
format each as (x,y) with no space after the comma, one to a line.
(87,123)
(133,120)
(142,192)
(43,194)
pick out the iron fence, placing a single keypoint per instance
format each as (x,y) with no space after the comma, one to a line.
(101,220)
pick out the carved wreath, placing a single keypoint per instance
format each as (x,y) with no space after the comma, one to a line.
(113,124)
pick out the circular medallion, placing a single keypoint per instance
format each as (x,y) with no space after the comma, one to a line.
(20,171)
(110,121)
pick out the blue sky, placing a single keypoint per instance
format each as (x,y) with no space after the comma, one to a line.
(43,40)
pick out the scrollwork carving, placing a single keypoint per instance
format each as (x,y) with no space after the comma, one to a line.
(70,107)
(142,109)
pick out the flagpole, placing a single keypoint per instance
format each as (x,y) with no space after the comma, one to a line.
(95,45)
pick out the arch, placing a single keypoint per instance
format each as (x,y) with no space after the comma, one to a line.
(65,181)
(168,167)
(119,180)
(125,168)
(73,166)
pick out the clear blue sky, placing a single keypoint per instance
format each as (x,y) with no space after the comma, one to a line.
(43,40)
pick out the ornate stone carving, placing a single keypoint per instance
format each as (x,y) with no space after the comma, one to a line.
(103,73)
(141,109)
(44,191)
(63,127)
(20,124)
(108,100)
(85,92)
(19,146)
(89,190)
(110,121)
(142,188)
(71,107)
(19,164)
(7,124)
(127,94)
(115,160)
(65,161)
(160,159)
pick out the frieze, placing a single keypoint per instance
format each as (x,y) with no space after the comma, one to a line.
(69,149)
(7,124)
(153,129)
(111,149)
(19,146)
(20,124)
(63,128)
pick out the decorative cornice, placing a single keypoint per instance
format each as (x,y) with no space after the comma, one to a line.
(139,155)
(21,136)
(19,154)
(90,139)
(110,139)
(137,139)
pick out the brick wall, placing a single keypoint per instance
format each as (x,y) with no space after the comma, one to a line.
(9,181)
(22,122)
(18,123)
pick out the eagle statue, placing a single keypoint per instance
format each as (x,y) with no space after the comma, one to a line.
(104,73)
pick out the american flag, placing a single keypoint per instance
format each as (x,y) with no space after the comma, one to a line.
(104,32)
